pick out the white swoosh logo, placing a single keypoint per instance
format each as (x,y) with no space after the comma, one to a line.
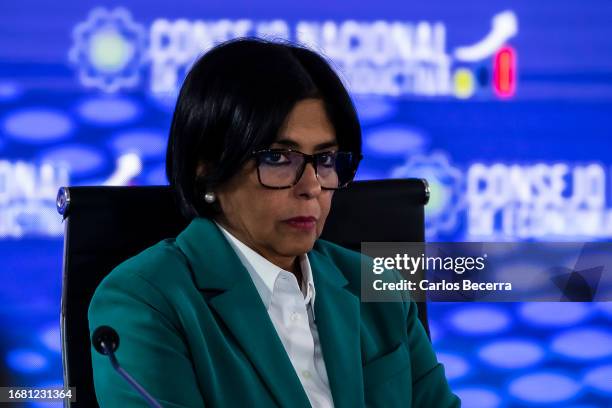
(503,27)
(129,166)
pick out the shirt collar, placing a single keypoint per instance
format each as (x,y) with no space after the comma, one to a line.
(264,273)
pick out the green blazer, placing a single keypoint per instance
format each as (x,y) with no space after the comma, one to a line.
(194,332)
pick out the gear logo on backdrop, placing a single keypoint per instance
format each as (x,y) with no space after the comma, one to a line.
(109,50)
(446,190)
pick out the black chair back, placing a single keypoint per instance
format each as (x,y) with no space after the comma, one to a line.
(104,226)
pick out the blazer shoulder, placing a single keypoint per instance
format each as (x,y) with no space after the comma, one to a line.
(158,264)
(337,252)
(346,260)
(350,264)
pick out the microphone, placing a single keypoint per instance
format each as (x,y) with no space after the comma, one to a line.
(106,341)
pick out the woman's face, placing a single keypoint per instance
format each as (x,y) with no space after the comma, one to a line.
(263,218)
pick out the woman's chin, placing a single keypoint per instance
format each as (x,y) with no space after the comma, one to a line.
(297,247)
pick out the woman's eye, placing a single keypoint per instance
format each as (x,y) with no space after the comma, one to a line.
(327,159)
(275,158)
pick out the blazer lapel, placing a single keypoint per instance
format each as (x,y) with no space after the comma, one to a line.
(337,315)
(218,269)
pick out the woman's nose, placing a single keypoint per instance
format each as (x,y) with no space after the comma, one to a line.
(308,184)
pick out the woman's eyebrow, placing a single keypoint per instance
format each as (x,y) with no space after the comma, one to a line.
(293,144)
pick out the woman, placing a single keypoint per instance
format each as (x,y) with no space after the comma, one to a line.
(246,307)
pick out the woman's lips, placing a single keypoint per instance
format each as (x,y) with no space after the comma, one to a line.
(302,223)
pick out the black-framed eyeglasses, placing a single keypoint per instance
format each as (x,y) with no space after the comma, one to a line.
(283,168)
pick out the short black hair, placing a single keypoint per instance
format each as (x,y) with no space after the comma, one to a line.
(234,100)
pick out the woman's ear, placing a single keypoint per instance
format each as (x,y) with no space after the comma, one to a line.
(205,195)
(201,169)
(200,186)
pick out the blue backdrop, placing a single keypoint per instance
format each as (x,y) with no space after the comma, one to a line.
(504,107)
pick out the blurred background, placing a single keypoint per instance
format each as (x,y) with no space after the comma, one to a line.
(505,107)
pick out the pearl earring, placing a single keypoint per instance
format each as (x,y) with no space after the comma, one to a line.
(209,197)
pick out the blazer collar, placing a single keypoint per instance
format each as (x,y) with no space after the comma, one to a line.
(216,267)
(214,263)
(339,324)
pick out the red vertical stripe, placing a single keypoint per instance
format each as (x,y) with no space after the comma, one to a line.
(504,72)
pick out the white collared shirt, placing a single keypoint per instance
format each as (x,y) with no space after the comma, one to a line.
(291,310)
